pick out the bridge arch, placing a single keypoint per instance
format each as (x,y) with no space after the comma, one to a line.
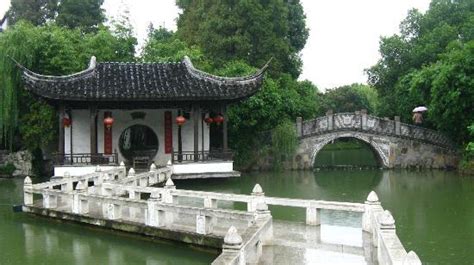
(381,152)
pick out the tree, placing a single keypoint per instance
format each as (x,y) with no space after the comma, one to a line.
(49,50)
(423,66)
(85,14)
(252,31)
(349,98)
(36,12)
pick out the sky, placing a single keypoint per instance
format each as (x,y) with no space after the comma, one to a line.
(344,34)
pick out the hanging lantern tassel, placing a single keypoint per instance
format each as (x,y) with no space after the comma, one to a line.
(180,120)
(108,122)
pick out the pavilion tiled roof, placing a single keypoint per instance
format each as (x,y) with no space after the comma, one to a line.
(111,81)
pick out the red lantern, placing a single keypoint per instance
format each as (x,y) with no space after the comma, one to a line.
(208,120)
(180,120)
(66,122)
(219,119)
(108,122)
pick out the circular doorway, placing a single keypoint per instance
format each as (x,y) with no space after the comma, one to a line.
(138,141)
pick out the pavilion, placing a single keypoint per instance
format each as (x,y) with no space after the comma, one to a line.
(142,113)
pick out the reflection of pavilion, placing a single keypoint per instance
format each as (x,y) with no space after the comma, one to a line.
(143,112)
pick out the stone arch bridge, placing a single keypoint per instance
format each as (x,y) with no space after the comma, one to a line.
(396,144)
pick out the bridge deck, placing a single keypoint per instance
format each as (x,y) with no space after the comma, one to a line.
(299,244)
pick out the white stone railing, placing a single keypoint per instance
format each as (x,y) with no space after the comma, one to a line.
(131,199)
(381,225)
(361,121)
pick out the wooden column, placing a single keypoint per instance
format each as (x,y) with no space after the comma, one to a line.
(93,129)
(61,129)
(225,146)
(196,119)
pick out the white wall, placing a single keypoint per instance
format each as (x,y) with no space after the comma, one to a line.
(122,120)
(203,167)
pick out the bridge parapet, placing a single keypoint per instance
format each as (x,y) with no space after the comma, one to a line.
(361,121)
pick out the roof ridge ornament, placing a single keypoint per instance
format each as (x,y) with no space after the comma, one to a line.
(223,79)
(92,62)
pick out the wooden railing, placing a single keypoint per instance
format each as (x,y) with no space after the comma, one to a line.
(85,159)
(191,156)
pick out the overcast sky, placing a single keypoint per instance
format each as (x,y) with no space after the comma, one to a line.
(344,34)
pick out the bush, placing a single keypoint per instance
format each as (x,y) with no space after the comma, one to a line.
(284,143)
(7,169)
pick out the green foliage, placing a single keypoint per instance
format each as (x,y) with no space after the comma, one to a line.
(36,12)
(7,169)
(252,31)
(430,63)
(85,14)
(284,142)
(163,46)
(349,98)
(51,50)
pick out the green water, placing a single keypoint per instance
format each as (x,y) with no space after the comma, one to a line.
(434,210)
(346,152)
(434,213)
(26,239)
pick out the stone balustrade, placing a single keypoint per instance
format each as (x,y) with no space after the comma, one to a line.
(381,225)
(128,203)
(361,121)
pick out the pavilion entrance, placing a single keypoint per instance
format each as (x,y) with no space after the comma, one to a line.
(138,144)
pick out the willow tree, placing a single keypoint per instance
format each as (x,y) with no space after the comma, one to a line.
(48,50)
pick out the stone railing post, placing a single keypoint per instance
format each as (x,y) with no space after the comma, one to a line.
(372,206)
(210,203)
(152,216)
(50,200)
(386,227)
(233,244)
(153,177)
(80,206)
(330,118)
(397,125)
(313,215)
(122,171)
(114,211)
(299,126)
(258,196)
(28,191)
(411,259)
(363,119)
(204,224)
(167,197)
(100,176)
(68,185)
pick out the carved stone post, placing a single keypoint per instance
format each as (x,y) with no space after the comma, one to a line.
(203,224)
(363,119)
(80,206)
(258,196)
(299,126)
(123,171)
(233,244)
(152,213)
(28,191)
(50,200)
(386,229)
(167,197)
(372,205)
(397,125)
(313,215)
(68,185)
(153,178)
(330,117)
